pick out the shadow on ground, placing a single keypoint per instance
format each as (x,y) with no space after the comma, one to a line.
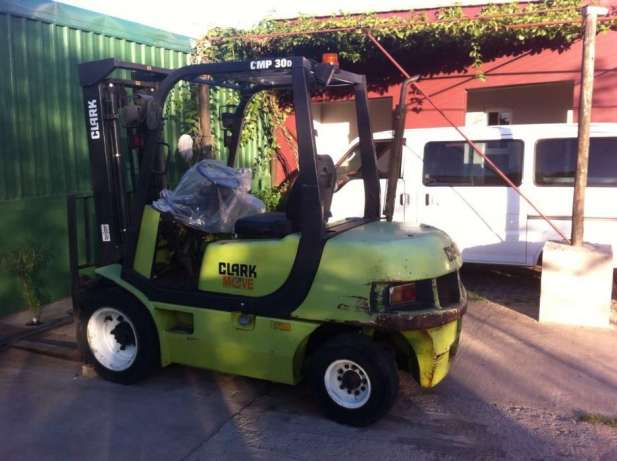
(512,287)
(516,288)
(512,394)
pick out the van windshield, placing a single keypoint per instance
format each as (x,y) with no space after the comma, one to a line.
(350,165)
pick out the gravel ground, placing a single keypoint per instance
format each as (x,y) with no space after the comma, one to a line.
(516,391)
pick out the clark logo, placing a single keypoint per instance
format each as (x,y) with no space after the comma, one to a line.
(93,118)
(238,275)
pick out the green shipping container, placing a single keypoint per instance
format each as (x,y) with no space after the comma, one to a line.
(222,100)
(43,148)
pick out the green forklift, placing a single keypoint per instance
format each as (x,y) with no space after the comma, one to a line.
(285,296)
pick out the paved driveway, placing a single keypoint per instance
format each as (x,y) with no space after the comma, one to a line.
(513,393)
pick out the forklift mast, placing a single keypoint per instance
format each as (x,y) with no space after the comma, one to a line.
(115,109)
(108,102)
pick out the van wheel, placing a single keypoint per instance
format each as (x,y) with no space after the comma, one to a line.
(355,379)
(121,339)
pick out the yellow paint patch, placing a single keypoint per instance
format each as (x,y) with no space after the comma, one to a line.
(432,349)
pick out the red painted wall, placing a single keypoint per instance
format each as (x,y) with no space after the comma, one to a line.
(449,91)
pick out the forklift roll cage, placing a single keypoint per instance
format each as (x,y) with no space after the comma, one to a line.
(119,221)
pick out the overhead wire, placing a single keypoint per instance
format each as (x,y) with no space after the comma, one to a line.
(471,144)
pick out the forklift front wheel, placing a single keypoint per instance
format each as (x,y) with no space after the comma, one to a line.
(355,379)
(112,338)
(121,338)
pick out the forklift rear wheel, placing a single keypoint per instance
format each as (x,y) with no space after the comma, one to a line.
(355,379)
(121,337)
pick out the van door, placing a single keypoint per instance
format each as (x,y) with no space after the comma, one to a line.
(555,165)
(348,200)
(461,195)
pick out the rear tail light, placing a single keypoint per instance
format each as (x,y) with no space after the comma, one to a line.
(402,294)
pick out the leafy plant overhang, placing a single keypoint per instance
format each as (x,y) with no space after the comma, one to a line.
(444,41)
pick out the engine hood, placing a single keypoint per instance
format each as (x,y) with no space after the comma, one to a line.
(377,252)
(400,251)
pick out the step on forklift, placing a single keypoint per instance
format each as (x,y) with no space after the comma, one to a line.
(285,297)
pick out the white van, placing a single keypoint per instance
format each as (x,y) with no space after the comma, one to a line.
(446,185)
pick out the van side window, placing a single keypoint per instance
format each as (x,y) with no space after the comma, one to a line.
(556,162)
(456,163)
(350,165)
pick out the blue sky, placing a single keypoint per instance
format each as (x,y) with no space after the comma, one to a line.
(194,17)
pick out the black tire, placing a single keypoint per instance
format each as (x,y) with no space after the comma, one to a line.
(145,337)
(377,362)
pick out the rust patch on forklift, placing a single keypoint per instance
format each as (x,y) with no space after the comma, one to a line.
(401,321)
(436,358)
(360,303)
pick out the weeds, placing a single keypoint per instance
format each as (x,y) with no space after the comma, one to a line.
(26,263)
(594,418)
(473,296)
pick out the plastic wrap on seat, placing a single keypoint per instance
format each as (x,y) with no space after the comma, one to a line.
(211,197)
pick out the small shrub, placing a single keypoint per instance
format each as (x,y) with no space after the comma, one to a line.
(25,263)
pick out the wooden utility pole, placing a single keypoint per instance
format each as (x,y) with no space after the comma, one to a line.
(590,16)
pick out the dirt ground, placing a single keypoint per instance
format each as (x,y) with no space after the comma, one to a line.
(518,390)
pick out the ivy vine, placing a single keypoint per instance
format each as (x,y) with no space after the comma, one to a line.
(445,41)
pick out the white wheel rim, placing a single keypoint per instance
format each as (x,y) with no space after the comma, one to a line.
(347,383)
(103,329)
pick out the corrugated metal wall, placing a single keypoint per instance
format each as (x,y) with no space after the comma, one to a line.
(43,147)
(222,100)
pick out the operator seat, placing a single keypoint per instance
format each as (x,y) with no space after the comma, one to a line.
(288,216)
(272,224)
